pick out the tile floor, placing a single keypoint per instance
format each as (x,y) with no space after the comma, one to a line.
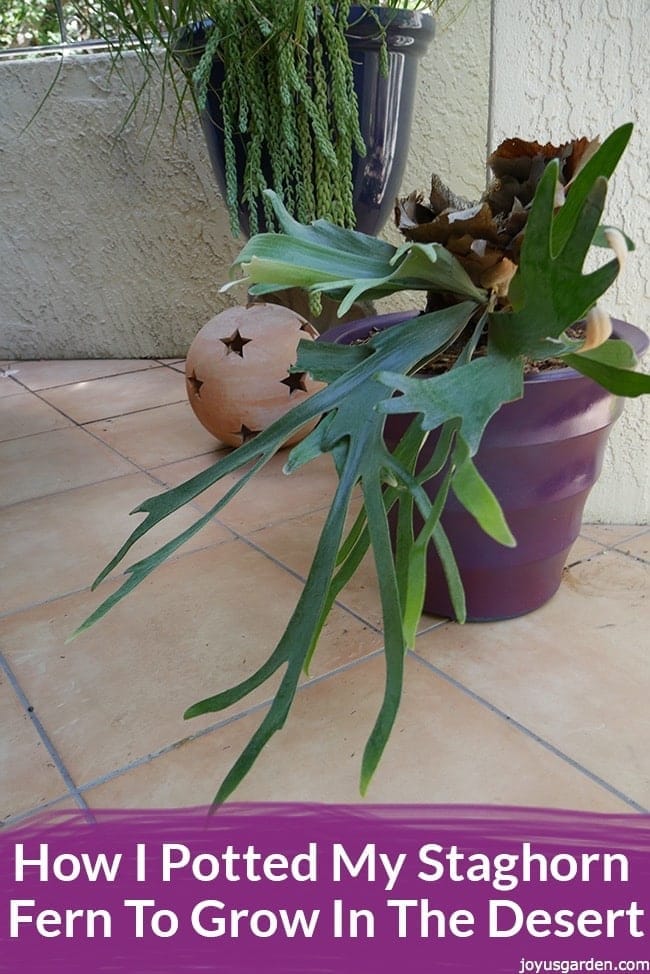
(548,710)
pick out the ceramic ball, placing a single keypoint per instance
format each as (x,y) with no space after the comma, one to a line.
(237,371)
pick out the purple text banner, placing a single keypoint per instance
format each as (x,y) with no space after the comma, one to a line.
(305,889)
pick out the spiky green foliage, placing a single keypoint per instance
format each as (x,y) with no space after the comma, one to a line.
(361,383)
(275,75)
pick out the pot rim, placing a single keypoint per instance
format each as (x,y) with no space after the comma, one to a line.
(362,22)
(190,38)
(342,334)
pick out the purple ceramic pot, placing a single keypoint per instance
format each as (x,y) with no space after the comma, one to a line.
(541,456)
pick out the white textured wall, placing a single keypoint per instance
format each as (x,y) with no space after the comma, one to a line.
(110,246)
(564,68)
(109,250)
(450,117)
(451,112)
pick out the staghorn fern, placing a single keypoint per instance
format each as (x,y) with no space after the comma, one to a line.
(359,394)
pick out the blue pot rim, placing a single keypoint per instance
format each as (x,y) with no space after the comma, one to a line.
(392,19)
(362,29)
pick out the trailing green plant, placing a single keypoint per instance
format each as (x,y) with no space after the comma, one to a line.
(287,93)
(282,91)
(548,293)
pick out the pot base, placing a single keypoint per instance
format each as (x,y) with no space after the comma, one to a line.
(522,589)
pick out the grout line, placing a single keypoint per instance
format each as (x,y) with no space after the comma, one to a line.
(135,463)
(136,468)
(74,382)
(614,548)
(28,436)
(168,748)
(637,558)
(73,792)
(132,412)
(220,724)
(66,490)
(234,532)
(437,624)
(629,554)
(638,530)
(584,559)
(82,424)
(338,602)
(529,733)
(38,810)
(302,579)
(196,456)
(114,577)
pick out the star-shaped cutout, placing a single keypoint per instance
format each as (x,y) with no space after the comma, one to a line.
(295,381)
(236,343)
(246,433)
(194,384)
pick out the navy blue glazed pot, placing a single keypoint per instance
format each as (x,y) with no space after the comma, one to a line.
(541,456)
(385,108)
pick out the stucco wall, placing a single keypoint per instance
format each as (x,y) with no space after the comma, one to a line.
(580,67)
(115,242)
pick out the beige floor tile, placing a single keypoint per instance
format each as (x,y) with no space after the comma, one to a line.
(293,543)
(8,387)
(576,672)
(609,534)
(49,462)
(157,436)
(24,415)
(197,626)
(638,547)
(268,498)
(86,402)
(60,543)
(445,748)
(27,775)
(43,375)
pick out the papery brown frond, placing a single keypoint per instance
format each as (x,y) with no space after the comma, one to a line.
(486,237)
(583,150)
(525,161)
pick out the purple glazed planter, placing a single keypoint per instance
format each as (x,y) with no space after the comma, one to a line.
(541,456)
